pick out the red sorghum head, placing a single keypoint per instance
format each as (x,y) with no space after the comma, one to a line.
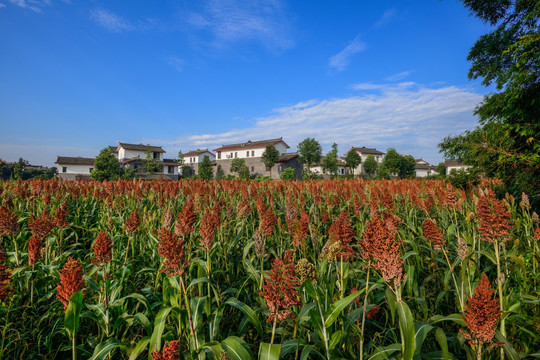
(102,249)
(169,352)
(71,280)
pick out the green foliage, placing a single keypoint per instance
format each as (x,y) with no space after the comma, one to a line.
(353,159)
(370,166)
(106,166)
(238,166)
(186,171)
(288,174)
(399,165)
(464,178)
(330,161)
(506,145)
(270,156)
(441,169)
(22,171)
(205,169)
(152,165)
(180,157)
(309,152)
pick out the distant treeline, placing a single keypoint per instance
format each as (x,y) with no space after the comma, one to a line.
(23,170)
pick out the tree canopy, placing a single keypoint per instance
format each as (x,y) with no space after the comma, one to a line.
(106,166)
(205,169)
(506,144)
(370,165)
(353,159)
(330,161)
(309,152)
(270,156)
(399,165)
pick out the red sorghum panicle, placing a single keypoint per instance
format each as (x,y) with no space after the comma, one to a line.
(5,276)
(301,229)
(280,288)
(268,220)
(482,312)
(186,219)
(167,218)
(41,226)
(172,249)
(71,280)
(102,249)
(259,244)
(169,352)
(61,216)
(536,235)
(433,234)
(133,222)
(372,313)
(209,224)
(34,249)
(8,222)
(494,218)
(341,231)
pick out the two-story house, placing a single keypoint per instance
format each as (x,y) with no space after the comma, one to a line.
(251,152)
(74,168)
(364,152)
(194,157)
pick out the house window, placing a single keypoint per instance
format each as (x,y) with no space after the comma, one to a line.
(247,153)
(64,169)
(231,155)
(171,169)
(236,154)
(342,171)
(280,168)
(156,155)
(252,153)
(252,168)
(219,154)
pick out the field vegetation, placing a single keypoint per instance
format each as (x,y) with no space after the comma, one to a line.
(341,269)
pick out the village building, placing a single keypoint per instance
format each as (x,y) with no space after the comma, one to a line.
(130,156)
(423,168)
(456,165)
(342,169)
(193,158)
(251,152)
(364,152)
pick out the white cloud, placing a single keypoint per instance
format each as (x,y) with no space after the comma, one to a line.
(399,76)
(341,60)
(388,16)
(2,5)
(409,117)
(233,21)
(110,21)
(176,63)
(34,5)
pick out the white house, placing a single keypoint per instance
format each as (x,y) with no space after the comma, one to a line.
(422,168)
(455,165)
(194,157)
(250,149)
(74,168)
(132,151)
(341,168)
(364,152)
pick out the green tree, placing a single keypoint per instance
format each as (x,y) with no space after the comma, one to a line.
(287,174)
(106,166)
(393,161)
(205,169)
(152,165)
(407,167)
(330,161)
(353,159)
(506,144)
(441,169)
(370,165)
(309,153)
(181,160)
(237,164)
(383,172)
(270,156)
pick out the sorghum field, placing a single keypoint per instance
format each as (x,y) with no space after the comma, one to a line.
(342,269)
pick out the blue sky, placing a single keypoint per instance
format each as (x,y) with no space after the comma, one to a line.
(79,76)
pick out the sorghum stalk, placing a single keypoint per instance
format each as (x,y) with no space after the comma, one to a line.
(499,286)
(364,313)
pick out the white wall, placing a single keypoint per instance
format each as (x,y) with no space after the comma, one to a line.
(130,154)
(199,158)
(422,173)
(456,167)
(75,169)
(247,153)
(166,170)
